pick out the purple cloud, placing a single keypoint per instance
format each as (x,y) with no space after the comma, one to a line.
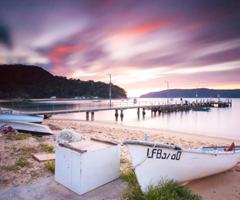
(88,38)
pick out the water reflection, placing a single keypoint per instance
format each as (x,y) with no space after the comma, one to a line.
(219,121)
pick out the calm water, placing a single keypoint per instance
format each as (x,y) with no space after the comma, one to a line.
(221,122)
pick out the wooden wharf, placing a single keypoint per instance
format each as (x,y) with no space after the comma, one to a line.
(119,107)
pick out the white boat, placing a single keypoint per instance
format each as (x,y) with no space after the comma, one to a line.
(153,162)
(22,118)
(134,100)
(97,100)
(206,109)
(35,129)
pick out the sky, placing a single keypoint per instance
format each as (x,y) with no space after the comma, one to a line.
(142,44)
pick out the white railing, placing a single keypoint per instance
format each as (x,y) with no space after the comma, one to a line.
(55,108)
(84,107)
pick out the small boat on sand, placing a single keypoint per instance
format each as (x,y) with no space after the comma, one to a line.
(206,109)
(22,118)
(134,100)
(97,100)
(35,129)
(153,162)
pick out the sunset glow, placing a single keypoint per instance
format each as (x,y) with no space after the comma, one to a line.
(141,43)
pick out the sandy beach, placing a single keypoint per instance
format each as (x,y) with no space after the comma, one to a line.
(225,185)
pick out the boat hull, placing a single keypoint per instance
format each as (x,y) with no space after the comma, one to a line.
(205,109)
(35,129)
(22,118)
(152,165)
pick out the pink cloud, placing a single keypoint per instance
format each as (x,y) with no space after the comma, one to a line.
(58,69)
(59,53)
(146,28)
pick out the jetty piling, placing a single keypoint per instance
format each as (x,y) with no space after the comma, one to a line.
(87,116)
(92,116)
(121,115)
(143,112)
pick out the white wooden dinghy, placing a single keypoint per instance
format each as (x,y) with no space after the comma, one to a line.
(153,162)
(35,129)
(22,118)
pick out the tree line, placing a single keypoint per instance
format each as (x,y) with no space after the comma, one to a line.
(25,81)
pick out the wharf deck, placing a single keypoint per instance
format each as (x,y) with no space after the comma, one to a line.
(54,109)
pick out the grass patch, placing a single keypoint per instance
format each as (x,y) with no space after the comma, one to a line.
(22,162)
(21,136)
(133,190)
(37,138)
(40,148)
(9,137)
(29,149)
(170,190)
(50,165)
(47,148)
(13,168)
(14,148)
(164,190)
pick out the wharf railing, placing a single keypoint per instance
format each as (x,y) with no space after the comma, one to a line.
(59,108)
(41,108)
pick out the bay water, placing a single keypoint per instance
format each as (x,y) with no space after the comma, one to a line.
(219,122)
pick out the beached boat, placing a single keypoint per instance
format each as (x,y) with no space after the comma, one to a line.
(153,162)
(206,109)
(21,118)
(134,100)
(35,129)
(97,100)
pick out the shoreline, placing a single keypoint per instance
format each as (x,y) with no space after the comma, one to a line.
(220,186)
(156,131)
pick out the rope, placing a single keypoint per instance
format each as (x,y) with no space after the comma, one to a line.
(151,144)
(143,160)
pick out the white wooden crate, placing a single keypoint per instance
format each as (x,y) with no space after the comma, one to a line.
(86,165)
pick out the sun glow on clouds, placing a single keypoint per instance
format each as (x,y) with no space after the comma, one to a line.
(81,73)
(59,70)
(138,92)
(140,43)
(125,48)
(20,54)
(210,68)
(122,46)
(59,52)
(147,28)
(135,75)
(216,48)
(126,44)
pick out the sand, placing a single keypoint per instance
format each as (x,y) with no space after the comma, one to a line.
(225,185)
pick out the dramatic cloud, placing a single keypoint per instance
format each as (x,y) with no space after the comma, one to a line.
(5,36)
(141,43)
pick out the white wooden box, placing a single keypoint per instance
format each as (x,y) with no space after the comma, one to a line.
(86,165)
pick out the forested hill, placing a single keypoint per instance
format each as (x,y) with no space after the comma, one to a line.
(34,82)
(191,93)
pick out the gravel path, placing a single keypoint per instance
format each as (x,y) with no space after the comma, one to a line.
(48,188)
